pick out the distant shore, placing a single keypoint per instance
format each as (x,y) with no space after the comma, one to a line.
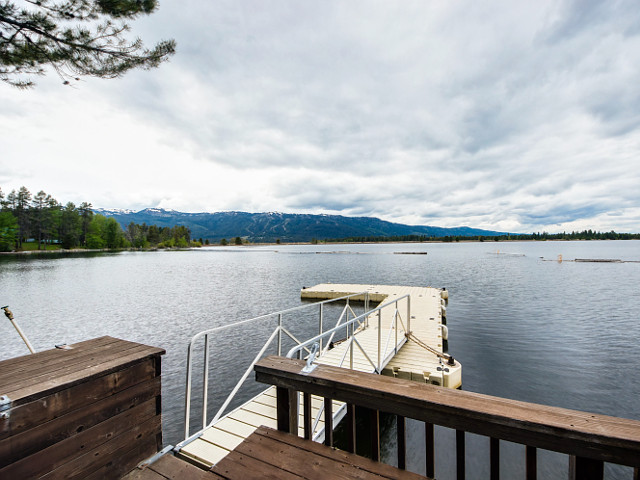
(62,251)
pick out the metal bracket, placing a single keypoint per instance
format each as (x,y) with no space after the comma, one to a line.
(308,368)
(155,458)
(5,404)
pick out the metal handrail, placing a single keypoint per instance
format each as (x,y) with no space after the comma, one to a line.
(383,357)
(278,331)
(359,319)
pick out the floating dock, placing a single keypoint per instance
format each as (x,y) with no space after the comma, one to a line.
(420,357)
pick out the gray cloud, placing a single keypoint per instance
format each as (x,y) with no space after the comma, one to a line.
(505,115)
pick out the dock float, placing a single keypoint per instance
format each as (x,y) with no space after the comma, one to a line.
(404,341)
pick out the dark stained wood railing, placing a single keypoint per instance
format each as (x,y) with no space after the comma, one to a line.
(589,439)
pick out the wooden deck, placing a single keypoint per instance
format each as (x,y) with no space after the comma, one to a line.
(90,410)
(270,454)
(412,362)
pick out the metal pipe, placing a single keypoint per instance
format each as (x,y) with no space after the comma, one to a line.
(409,314)
(244,377)
(205,381)
(320,323)
(379,337)
(279,334)
(187,396)
(9,315)
(332,331)
(351,347)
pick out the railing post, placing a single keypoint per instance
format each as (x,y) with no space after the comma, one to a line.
(401,423)
(366,308)
(351,347)
(320,323)
(429,447)
(287,401)
(279,334)
(328,422)
(531,463)
(408,314)
(351,428)
(374,433)
(460,460)
(494,455)
(205,381)
(187,396)
(379,340)
(308,433)
(581,468)
(395,328)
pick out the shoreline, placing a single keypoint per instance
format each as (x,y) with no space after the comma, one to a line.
(61,251)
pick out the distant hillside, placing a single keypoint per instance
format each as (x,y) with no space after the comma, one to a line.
(267,227)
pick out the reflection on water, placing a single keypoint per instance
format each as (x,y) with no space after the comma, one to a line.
(563,334)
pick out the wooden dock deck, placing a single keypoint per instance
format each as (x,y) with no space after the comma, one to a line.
(412,361)
(270,454)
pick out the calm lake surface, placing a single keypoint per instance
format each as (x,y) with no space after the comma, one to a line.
(563,334)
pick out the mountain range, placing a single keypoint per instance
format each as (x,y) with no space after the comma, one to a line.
(287,227)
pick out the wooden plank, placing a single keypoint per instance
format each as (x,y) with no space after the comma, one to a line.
(244,467)
(54,405)
(349,462)
(37,366)
(111,451)
(585,434)
(71,376)
(173,468)
(45,434)
(58,454)
(11,364)
(123,459)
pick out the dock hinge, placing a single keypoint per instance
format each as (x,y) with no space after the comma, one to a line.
(155,458)
(5,405)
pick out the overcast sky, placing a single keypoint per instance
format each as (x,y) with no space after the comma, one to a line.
(513,116)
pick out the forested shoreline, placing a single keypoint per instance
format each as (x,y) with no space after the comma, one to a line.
(40,222)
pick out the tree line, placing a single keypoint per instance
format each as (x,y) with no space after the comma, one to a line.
(41,222)
(583,235)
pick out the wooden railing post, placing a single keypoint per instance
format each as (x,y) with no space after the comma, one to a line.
(601,439)
(430,451)
(287,410)
(374,433)
(328,422)
(581,468)
(308,434)
(494,454)
(460,463)
(351,427)
(531,463)
(401,423)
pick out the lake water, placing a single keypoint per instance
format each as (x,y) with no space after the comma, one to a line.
(563,334)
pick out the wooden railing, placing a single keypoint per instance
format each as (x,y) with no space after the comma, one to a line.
(589,439)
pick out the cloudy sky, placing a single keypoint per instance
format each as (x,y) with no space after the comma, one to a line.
(514,116)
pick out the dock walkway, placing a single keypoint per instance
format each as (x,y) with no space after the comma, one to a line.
(412,361)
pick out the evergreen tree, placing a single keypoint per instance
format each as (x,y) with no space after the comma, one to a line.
(74,37)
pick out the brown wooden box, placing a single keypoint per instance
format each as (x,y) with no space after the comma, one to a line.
(91,411)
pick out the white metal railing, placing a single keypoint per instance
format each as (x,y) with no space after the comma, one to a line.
(276,334)
(383,356)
